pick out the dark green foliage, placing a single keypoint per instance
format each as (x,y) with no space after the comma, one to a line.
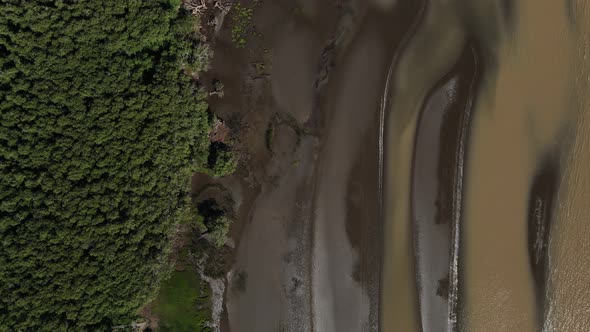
(222,160)
(193,53)
(182,303)
(215,221)
(210,211)
(218,231)
(100,128)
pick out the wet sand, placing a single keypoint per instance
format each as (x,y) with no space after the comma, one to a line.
(310,247)
(441,136)
(273,251)
(338,299)
(413,75)
(431,238)
(284,240)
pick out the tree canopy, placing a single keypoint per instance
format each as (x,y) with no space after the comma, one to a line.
(100,128)
(214,220)
(222,159)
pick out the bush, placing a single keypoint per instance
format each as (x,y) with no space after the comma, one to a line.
(222,160)
(218,231)
(215,221)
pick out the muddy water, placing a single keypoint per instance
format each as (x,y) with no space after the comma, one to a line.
(568,285)
(519,213)
(518,123)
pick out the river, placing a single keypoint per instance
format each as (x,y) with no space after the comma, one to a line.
(510,224)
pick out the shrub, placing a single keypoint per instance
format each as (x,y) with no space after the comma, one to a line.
(222,160)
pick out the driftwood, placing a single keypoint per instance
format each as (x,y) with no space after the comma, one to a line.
(197,7)
(224,6)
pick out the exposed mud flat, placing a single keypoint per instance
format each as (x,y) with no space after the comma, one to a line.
(412,76)
(311,239)
(410,166)
(310,245)
(439,151)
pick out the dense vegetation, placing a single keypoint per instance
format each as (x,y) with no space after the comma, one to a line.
(182,303)
(214,222)
(100,127)
(222,159)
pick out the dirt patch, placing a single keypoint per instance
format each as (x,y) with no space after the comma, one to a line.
(152,319)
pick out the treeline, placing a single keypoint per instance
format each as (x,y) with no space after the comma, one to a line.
(100,129)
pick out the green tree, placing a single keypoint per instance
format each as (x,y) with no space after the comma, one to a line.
(214,220)
(218,229)
(100,129)
(222,160)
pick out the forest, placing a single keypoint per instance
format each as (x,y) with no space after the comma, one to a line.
(101,126)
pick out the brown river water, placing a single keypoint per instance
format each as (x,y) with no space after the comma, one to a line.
(442,183)
(502,136)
